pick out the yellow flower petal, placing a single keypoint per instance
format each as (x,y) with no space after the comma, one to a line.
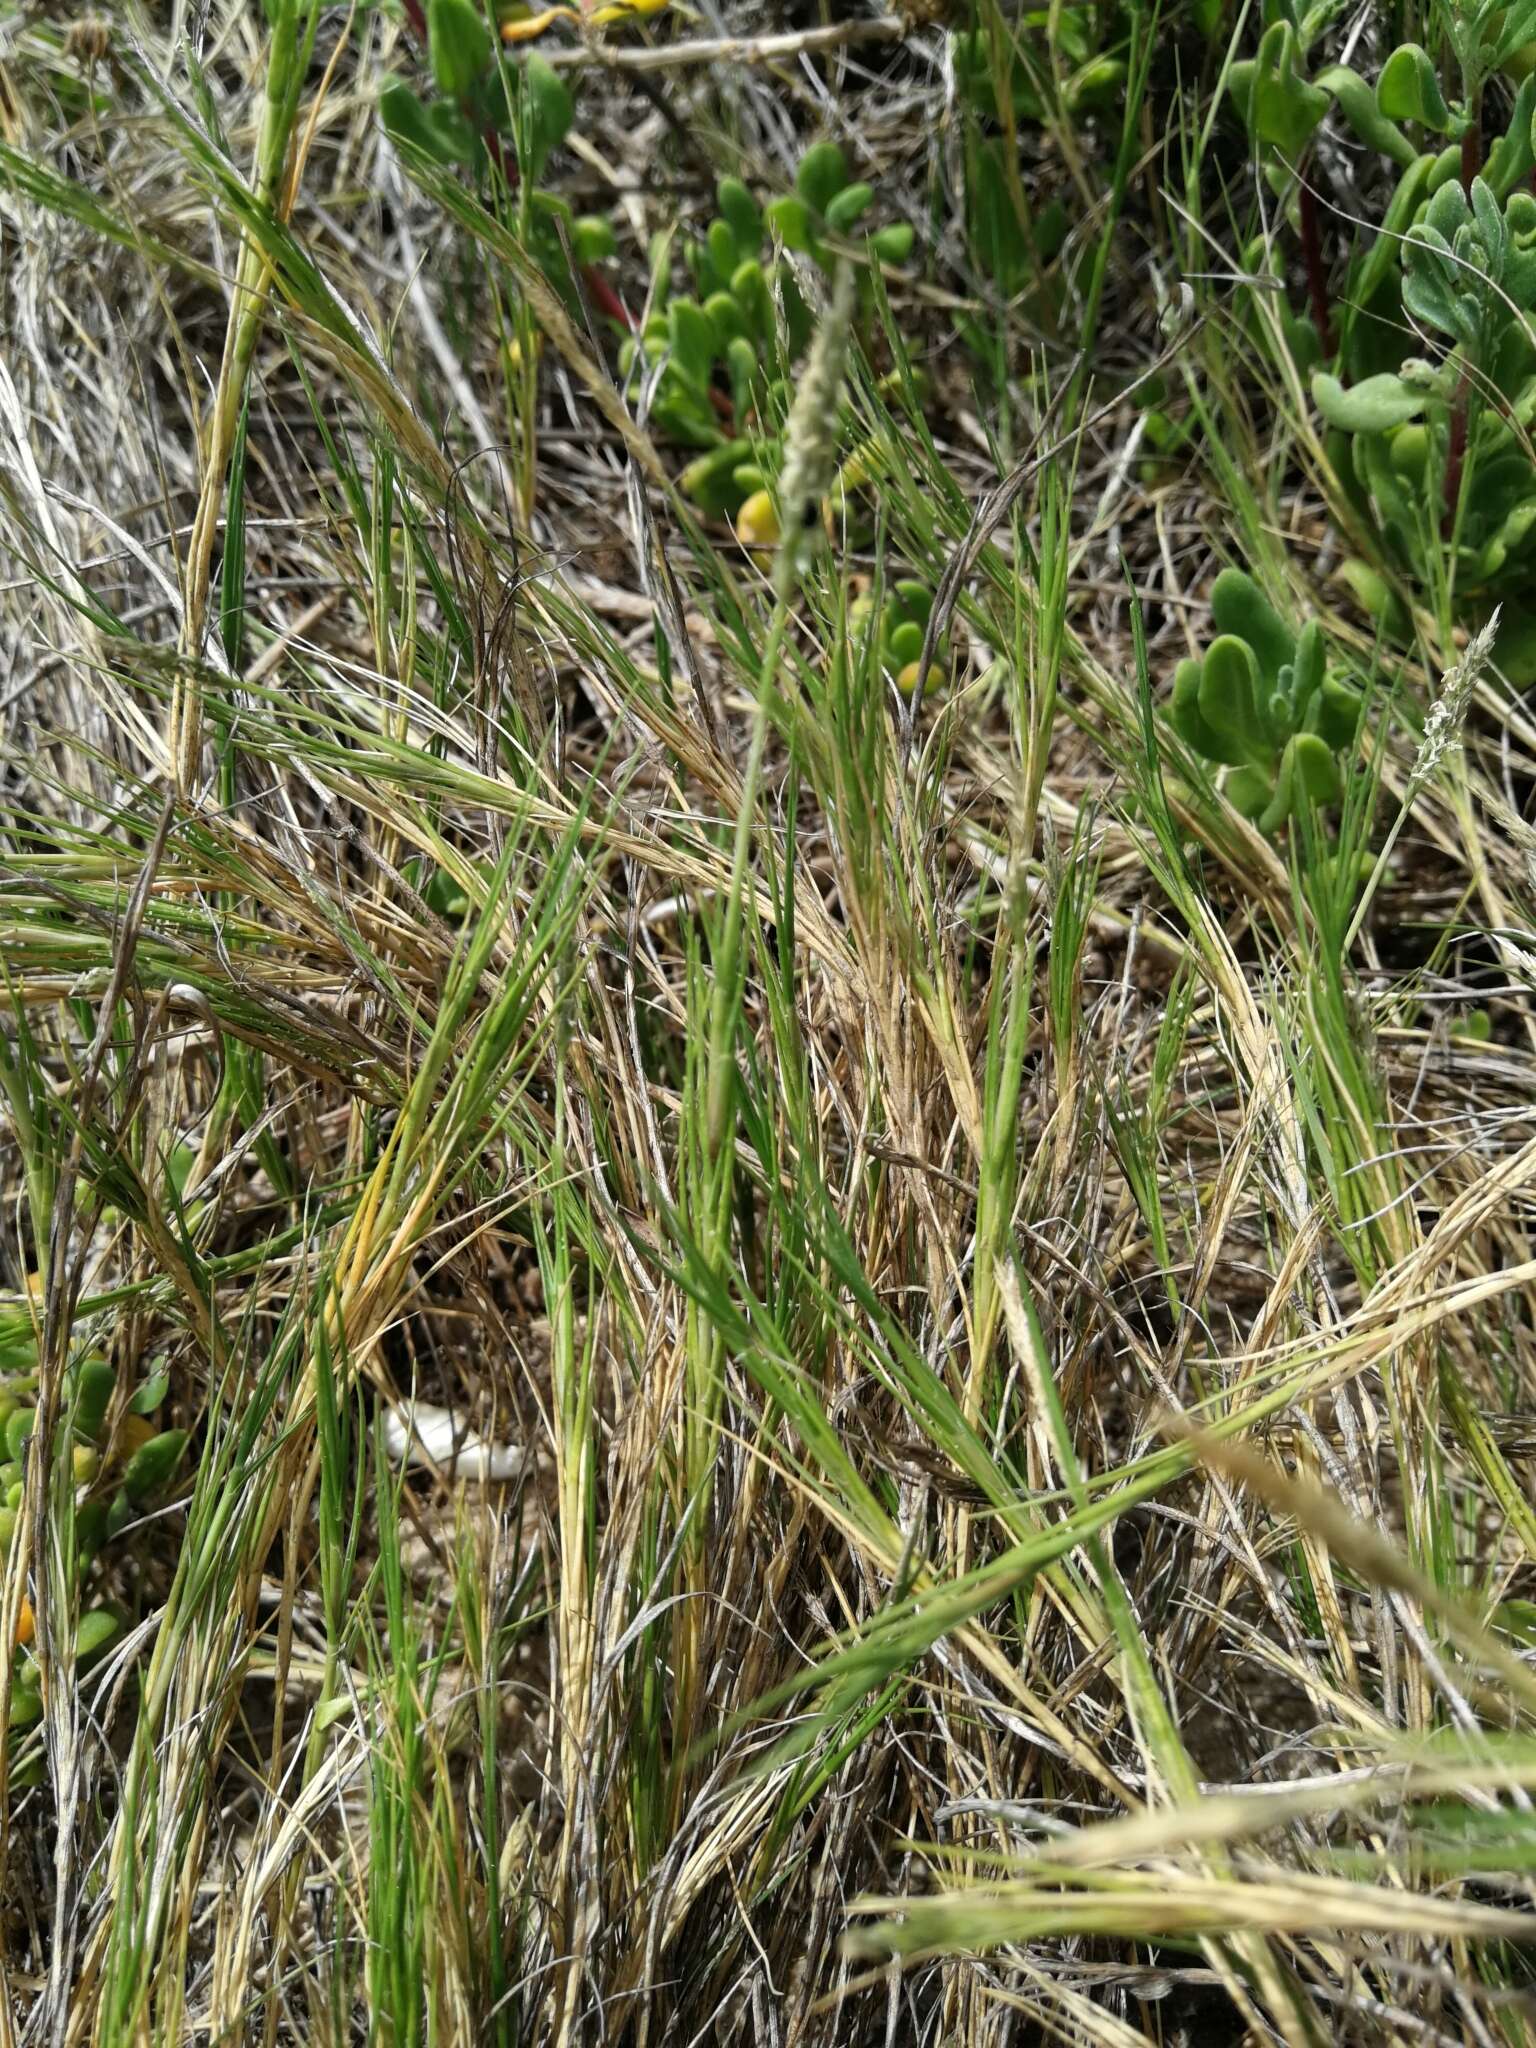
(528,26)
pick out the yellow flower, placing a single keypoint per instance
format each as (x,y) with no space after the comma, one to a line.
(524,23)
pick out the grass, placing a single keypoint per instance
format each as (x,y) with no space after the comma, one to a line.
(1005,1305)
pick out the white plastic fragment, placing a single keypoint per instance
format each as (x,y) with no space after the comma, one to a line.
(416,1433)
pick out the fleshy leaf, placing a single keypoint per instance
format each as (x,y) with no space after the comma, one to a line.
(739,210)
(821,175)
(1408,90)
(1229,680)
(1280,107)
(847,208)
(1190,722)
(152,1464)
(1369,407)
(1357,103)
(549,111)
(1238,606)
(459,44)
(1249,790)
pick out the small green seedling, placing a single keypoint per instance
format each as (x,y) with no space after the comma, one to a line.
(1262,704)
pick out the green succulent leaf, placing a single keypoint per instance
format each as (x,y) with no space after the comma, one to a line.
(749,288)
(1374,595)
(548,111)
(905,642)
(1190,723)
(1513,157)
(95,1383)
(1408,90)
(1357,103)
(710,480)
(1250,791)
(26,1705)
(790,219)
(1514,30)
(593,239)
(845,210)
(404,116)
(456,140)
(691,339)
(17,1429)
(1515,647)
(1337,714)
(439,131)
(914,598)
(724,252)
(1099,83)
(459,45)
(90,1531)
(1240,608)
(1302,340)
(1229,686)
(96,1632)
(740,212)
(1370,407)
(1314,770)
(821,175)
(1408,450)
(1279,106)
(893,244)
(152,1464)
(725,317)
(1307,668)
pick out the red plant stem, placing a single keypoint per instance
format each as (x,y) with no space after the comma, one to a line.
(1317,270)
(1472,146)
(1456,453)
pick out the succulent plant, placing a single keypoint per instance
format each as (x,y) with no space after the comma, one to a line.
(892,627)
(1434,456)
(1282,108)
(726,350)
(1261,703)
(1428,459)
(116,1473)
(826,203)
